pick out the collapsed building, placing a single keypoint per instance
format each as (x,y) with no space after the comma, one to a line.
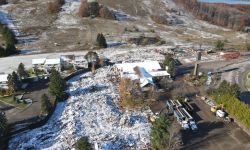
(146,72)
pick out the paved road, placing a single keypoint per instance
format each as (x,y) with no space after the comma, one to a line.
(214,133)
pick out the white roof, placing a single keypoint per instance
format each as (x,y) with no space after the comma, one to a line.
(67,57)
(159,73)
(3,77)
(52,61)
(147,65)
(80,58)
(38,61)
(147,70)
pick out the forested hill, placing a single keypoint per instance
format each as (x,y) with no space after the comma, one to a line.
(235,16)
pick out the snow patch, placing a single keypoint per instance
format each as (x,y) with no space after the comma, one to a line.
(91,110)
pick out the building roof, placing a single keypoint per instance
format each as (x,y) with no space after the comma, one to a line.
(145,71)
(80,58)
(3,77)
(67,57)
(38,61)
(55,61)
(147,65)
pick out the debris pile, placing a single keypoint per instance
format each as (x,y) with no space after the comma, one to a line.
(92,110)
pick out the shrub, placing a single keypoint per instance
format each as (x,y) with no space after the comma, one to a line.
(84,9)
(219,45)
(106,13)
(101,41)
(160,19)
(131,94)
(236,108)
(89,9)
(83,144)
(55,6)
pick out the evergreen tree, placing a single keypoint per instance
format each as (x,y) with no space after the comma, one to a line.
(219,45)
(21,71)
(101,41)
(10,40)
(160,133)
(46,105)
(83,144)
(10,49)
(170,63)
(14,83)
(2,52)
(57,84)
(3,123)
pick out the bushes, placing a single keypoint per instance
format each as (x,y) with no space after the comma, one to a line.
(219,45)
(160,19)
(84,9)
(83,144)
(236,108)
(227,94)
(131,94)
(55,6)
(101,41)
(93,9)
(106,13)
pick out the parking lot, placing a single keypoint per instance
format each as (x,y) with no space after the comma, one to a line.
(34,92)
(213,132)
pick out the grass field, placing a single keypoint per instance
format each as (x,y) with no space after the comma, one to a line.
(9,100)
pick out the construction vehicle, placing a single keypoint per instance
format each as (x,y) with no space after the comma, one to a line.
(218,110)
(217,107)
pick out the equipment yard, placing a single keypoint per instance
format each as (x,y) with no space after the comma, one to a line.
(213,132)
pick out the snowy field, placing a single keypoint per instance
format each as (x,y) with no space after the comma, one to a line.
(91,110)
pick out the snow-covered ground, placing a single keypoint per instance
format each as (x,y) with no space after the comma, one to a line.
(91,110)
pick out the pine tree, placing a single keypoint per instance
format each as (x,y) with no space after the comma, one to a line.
(3,123)
(14,83)
(160,133)
(101,41)
(21,71)
(57,84)
(2,52)
(83,144)
(219,45)
(46,105)
(170,63)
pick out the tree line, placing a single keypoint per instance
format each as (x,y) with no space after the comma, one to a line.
(10,41)
(232,16)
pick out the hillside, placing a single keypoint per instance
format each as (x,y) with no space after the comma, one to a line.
(40,31)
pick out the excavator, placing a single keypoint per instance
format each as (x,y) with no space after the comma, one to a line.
(218,110)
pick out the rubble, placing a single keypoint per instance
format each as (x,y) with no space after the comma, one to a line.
(92,110)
